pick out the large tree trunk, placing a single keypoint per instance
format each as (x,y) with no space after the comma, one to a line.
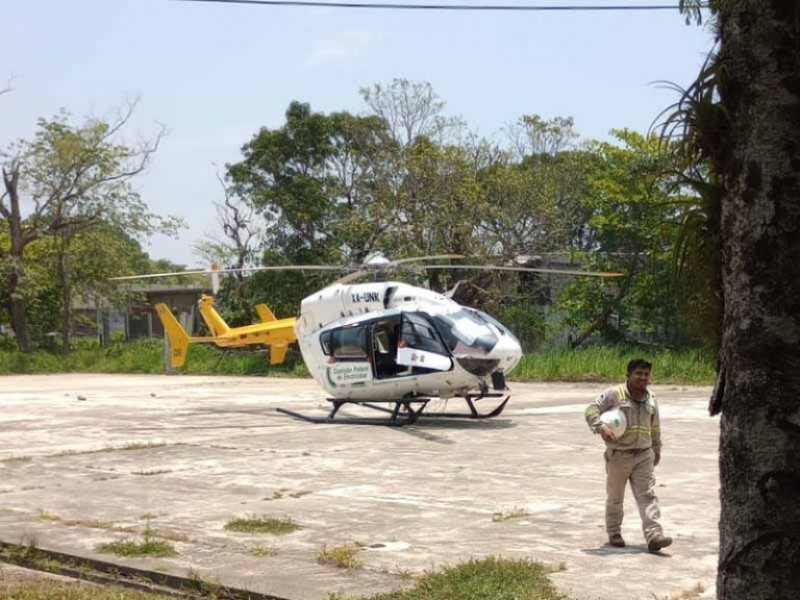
(16,305)
(65,278)
(19,315)
(759,385)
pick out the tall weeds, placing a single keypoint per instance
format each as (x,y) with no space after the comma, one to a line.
(562,364)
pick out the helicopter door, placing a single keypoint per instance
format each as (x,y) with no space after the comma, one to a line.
(349,362)
(385,336)
(420,346)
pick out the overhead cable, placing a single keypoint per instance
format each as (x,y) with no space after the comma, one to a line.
(462,7)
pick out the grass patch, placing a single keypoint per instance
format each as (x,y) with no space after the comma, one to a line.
(10,459)
(92,524)
(344,557)
(123,447)
(596,364)
(58,590)
(148,546)
(207,588)
(608,364)
(29,585)
(687,594)
(152,472)
(490,578)
(88,523)
(145,356)
(47,516)
(262,550)
(515,513)
(254,524)
(149,532)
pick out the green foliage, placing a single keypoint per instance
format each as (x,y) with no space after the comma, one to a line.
(82,223)
(534,189)
(344,557)
(317,183)
(563,364)
(632,230)
(282,291)
(331,188)
(50,589)
(491,578)
(408,181)
(437,206)
(312,181)
(698,128)
(528,323)
(515,513)
(145,547)
(145,356)
(605,364)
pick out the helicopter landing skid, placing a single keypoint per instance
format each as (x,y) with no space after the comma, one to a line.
(473,413)
(404,411)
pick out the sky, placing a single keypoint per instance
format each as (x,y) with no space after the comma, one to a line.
(213,74)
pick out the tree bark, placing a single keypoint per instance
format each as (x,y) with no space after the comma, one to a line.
(19,315)
(16,305)
(759,387)
(65,279)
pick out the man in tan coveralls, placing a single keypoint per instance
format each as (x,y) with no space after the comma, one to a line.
(633,456)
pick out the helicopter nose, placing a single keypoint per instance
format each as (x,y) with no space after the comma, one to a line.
(508,352)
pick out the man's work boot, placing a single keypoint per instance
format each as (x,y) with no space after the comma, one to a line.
(615,539)
(658,541)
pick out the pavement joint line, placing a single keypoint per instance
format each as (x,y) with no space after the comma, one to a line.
(108,573)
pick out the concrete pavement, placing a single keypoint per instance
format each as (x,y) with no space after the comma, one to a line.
(87,459)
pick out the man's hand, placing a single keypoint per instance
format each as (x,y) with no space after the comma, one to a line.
(656,457)
(607,434)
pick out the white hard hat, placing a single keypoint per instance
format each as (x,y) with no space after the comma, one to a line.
(614,419)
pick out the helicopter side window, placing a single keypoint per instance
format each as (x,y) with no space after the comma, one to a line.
(417,332)
(420,346)
(346,343)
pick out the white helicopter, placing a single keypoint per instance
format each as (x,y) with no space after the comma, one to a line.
(386,345)
(397,343)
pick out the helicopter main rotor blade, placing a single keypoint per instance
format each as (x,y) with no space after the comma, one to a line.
(527,269)
(156,275)
(242,270)
(401,261)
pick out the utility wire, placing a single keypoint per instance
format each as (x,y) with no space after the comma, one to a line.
(472,7)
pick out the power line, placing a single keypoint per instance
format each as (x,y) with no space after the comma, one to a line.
(470,7)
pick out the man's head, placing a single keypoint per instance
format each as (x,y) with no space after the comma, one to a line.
(638,374)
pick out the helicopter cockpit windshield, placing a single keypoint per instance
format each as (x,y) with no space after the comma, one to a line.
(480,315)
(466,333)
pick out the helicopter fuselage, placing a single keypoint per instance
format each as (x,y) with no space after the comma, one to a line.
(390,340)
